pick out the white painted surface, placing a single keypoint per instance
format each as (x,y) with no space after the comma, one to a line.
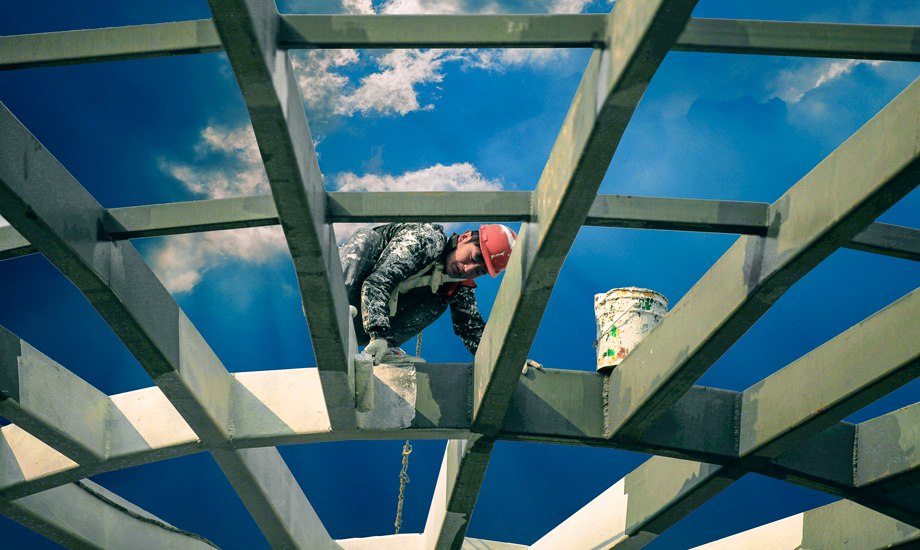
(785,534)
(599,524)
(148,414)
(395,396)
(408,541)
(293,397)
(23,457)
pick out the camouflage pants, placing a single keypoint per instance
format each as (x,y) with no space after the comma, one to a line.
(415,310)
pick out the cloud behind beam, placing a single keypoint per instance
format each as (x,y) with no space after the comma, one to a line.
(228,164)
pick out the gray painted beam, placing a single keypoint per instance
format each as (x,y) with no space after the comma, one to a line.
(112,44)
(13,245)
(50,402)
(274,498)
(442,31)
(85,516)
(888,450)
(637,38)
(745,218)
(249,30)
(639,507)
(837,525)
(895,43)
(639,35)
(190,217)
(878,355)
(825,210)
(63,221)
(889,240)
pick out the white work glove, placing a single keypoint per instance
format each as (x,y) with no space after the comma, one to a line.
(531,363)
(377,348)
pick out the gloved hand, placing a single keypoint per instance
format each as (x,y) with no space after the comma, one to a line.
(531,363)
(377,348)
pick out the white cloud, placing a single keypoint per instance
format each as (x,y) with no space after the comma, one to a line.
(394,87)
(792,85)
(227,164)
(455,177)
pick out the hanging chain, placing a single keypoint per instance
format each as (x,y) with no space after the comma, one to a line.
(418,345)
(403,479)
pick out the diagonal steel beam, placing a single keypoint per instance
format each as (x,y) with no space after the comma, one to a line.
(50,402)
(86,516)
(841,523)
(638,36)
(274,498)
(825,210)
(64,222)
(249,30)
(50,208)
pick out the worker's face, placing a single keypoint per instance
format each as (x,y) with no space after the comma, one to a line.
(465,261)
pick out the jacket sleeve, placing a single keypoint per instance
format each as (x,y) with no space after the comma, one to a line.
(412,247)
(464,313)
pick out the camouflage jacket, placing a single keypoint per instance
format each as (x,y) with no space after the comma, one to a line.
(408,248)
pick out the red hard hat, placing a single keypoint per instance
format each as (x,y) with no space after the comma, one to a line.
(496,242)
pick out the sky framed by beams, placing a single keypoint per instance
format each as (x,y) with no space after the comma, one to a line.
(710,126)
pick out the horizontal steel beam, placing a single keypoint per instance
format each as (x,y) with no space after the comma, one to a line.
(890,42)
(886,42)
(111,44)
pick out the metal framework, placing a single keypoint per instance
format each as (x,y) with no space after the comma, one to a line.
(702,439)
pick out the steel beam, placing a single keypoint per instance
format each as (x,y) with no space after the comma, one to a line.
(637,37)
(249,30)
(86,516)
(825,210)
(889,240)
(841,523)
(64,222)
(895,43)
(111,44)
(442,31)
(50,402)
(832,382)
(744,218)
(639,507)
(274,498)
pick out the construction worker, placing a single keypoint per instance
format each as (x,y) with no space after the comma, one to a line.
(401,277)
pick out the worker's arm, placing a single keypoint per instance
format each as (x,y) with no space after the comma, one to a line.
(411,247)
(468,323)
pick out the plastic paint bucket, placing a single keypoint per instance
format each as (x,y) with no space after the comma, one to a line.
(624,316)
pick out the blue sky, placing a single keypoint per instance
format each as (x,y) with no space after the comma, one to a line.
(709,126)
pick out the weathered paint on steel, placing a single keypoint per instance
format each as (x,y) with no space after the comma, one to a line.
(442,31)
(889,240)
(249,30)
(274,498)
(111,44)
(895,43)
(833,381)
(806,227)
(849,525)
(888,446)
(51,402)
(78,517)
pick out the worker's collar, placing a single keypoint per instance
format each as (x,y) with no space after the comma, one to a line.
(451,245)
